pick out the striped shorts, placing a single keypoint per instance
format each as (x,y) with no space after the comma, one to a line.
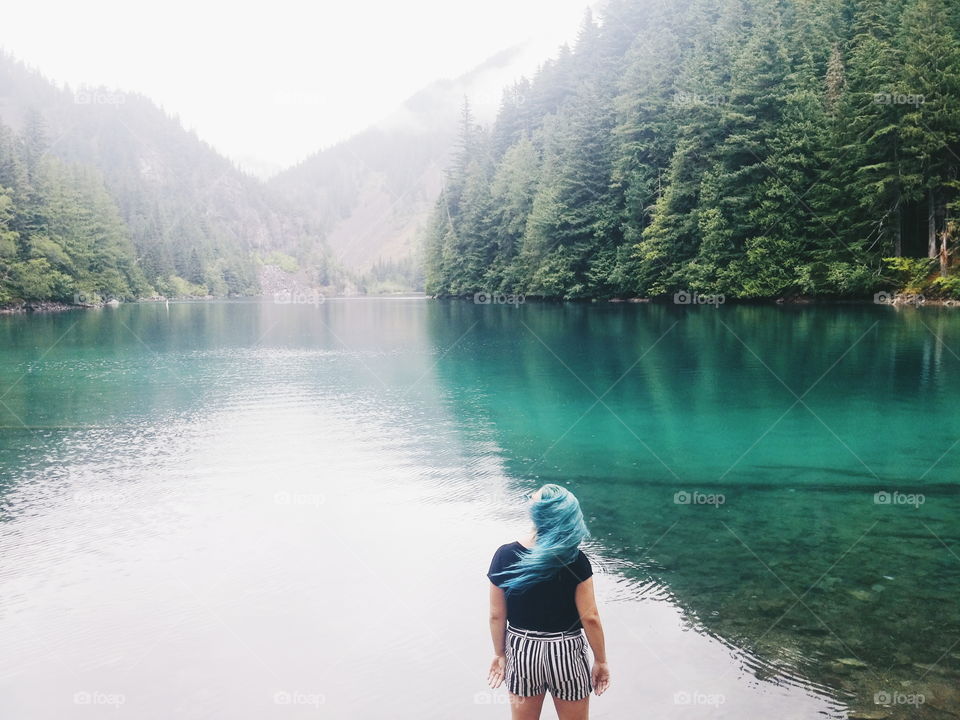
(555,661)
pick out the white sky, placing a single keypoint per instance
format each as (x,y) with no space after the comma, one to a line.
(269,83)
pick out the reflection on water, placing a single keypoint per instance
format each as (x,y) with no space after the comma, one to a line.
(256,510)
(790,475)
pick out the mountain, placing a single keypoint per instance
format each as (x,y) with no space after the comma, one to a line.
(184,220)
(191,222)
(373,193)
(745,148)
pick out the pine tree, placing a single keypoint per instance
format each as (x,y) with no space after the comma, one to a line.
(931,123)
(750,147)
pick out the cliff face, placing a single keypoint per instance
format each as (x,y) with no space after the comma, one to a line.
(298,287)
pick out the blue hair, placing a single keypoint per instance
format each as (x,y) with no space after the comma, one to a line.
(560,530)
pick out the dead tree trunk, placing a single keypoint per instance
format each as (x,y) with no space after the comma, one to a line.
(898,233)
(949,227)
(944,253)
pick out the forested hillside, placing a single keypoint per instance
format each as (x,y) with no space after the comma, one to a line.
(104,194)
(373,193)
(182,220)
(752,148)
(60,231)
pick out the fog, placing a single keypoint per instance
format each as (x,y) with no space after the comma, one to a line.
(268,84)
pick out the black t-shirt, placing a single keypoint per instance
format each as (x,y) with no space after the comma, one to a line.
(548,605)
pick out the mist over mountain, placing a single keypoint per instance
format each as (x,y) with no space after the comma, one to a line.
(196,223)
(184,220)
(800,148)
(373,193)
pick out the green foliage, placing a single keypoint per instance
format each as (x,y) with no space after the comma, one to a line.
(35,279)
(160,201)
(61,233)
(919,276)
(946,287)
(281,260)
(175,286)
(759,150)
(393,276)
(913,275)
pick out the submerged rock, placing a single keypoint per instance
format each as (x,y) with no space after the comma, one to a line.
(772,606)
(829,581)
(902,659)
(838,668)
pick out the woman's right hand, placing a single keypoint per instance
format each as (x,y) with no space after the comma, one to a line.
(601,677)
(497,669)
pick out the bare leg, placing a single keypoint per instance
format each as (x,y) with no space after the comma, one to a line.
(526,708)
(572,709)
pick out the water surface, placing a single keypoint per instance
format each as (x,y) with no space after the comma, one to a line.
(251,510)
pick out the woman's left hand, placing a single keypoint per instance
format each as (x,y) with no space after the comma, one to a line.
(497,669)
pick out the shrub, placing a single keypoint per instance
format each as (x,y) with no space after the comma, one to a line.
(911,275)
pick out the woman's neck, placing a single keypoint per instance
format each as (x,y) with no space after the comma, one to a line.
(529,540)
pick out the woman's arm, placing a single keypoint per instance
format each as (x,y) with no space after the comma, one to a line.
(498,619)
(498,631)
(590,619)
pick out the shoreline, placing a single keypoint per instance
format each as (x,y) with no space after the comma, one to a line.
(909,300)
(51,306)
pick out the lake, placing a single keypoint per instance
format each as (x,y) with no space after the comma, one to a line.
(260,510)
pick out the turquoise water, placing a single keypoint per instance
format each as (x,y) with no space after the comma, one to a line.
(256,510)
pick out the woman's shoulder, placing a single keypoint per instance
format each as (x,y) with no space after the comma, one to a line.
(510,549)
(580,560)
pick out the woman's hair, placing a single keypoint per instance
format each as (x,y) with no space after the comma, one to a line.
(560,529)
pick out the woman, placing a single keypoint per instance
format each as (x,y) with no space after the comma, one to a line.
(541,604)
